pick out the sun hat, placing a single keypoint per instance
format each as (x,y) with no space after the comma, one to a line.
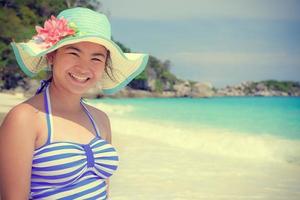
(77,25)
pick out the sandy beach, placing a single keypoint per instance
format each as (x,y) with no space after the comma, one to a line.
(155,165)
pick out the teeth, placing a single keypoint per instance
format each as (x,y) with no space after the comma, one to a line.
(80,78)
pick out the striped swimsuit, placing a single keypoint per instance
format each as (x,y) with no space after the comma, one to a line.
(68,170)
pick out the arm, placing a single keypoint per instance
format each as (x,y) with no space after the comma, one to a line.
(17,139)
(107,183)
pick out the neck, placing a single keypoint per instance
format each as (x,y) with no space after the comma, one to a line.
(63,100)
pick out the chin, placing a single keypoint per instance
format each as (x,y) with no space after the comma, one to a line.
(80,90)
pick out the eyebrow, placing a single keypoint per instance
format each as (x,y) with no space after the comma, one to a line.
(80,51)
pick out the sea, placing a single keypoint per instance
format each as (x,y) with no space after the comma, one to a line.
(251,127)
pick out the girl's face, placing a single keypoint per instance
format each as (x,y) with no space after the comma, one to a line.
(77,67)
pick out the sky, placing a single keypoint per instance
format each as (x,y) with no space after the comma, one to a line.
(224,42)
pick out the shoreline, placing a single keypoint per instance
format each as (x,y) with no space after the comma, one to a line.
(191,89)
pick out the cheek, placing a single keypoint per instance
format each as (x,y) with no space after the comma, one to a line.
(99,70)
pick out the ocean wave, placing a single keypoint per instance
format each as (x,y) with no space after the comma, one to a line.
(116,109)
(213,140)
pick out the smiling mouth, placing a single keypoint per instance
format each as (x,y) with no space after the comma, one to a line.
(79,78)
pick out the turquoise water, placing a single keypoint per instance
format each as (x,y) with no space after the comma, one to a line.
(276,116)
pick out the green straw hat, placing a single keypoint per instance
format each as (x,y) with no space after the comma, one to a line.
(79,25)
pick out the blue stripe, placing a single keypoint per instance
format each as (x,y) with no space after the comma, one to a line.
(105,150)
(48,149)
(54,157)
(58,167)
(70,174)
(108,158)
(89,155)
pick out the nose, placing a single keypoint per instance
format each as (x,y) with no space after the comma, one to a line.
(83,65)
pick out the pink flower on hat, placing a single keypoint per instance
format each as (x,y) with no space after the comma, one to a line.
(54,30)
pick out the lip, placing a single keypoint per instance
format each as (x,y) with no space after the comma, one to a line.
(78,79)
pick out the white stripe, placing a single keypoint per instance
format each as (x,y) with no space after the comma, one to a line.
(50,113)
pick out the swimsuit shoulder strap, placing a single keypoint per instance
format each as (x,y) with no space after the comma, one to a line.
(47,104)
(91,119)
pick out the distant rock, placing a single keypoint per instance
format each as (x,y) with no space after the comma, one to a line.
(202,90)
(182,89)
(129,93)
(263,88)
(168,94)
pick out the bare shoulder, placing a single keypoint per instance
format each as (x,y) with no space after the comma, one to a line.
(23,117)
(21,113)
(102,121)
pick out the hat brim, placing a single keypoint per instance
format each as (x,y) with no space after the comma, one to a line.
(126,66)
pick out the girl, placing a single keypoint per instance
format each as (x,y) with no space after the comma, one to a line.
(54,146)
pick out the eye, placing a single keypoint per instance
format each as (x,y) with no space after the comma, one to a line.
(73,53)
(97,60)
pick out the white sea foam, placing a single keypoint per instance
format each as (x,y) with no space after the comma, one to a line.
(118,110)
(205,139)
